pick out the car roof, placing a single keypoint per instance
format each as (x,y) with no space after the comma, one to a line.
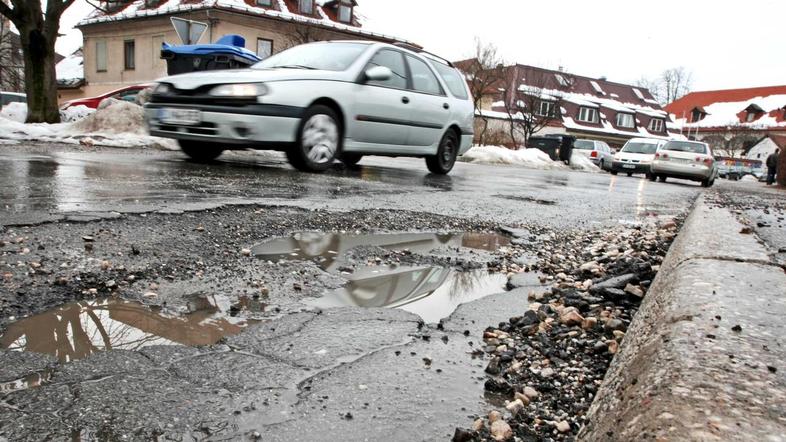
(645,140)
(15,94)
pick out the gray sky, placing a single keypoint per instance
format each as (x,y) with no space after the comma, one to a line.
(724,43)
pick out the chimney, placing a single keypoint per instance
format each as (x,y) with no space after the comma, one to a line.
(603,78)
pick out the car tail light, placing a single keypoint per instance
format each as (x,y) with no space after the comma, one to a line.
(708,161)
(663,156)
(594,154)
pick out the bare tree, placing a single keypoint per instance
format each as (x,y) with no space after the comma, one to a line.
(734,142)
(303,33)
(38,31)
(671,85)
(531,106)
(12,70)
(484,73)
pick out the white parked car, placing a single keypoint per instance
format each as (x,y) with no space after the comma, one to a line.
(690,160)
(320,102)
(636,156)
(600,153)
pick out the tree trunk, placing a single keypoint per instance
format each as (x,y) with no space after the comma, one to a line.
(781,176)
(485,127)
(40,75)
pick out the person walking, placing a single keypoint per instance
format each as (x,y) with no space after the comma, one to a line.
(772,167)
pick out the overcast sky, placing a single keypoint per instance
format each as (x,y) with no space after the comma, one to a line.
(724,43)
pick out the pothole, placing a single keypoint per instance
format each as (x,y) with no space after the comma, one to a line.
(326,248)
(432,293)
(78,329)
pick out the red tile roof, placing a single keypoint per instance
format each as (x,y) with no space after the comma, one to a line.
(705,98)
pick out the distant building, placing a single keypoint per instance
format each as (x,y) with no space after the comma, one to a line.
(70,76)
(122,45)
(590,108)
(12,65)
(732,120)
(766,147)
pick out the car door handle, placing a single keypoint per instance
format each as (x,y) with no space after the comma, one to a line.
(446,106)
(405,100)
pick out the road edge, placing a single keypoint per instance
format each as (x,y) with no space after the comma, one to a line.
(694,364)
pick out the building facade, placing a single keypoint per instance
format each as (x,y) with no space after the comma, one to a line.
(558,102)
(122,44)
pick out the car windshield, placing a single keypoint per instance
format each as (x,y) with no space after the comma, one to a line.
(322,56)
(685,146)
(584,145)
(638,147)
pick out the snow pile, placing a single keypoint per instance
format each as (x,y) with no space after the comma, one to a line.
(119,125)
(750,178)
(15,112)
(533,158)
(74,113)
(581,162)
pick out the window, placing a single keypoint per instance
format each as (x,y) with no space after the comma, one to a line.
(129,55)
(307,7)
(344,13)
(751,116)
(686,146)
(265,3)
(264,48)
(393,60)
(547,109)
(625,120)
(588,115)
(697,115)
(455,82)
(101,56)
(656,125)
(423,80)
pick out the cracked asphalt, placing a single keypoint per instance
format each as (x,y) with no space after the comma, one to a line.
(168,243)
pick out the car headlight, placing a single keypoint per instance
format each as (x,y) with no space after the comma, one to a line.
(239,90)
(162,89)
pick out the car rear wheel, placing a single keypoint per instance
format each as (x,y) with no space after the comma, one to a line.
(662,178)
(630,174)
(651,176)
(351,159)
(200,151)
(602,165)
(318,142)
(707,183)
(614,172)
(445,159)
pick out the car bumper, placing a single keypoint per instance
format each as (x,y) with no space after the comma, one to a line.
(254,124)
(689,171)
(466,143)
(619,166)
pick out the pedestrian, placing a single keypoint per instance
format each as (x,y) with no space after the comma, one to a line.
(772,167)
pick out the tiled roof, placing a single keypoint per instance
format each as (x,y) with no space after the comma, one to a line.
(730,108)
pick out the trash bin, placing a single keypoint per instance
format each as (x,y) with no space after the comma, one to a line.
(549,145)
(566,148)
(228,52)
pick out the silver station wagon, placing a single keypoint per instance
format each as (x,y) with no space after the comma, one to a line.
(320,102)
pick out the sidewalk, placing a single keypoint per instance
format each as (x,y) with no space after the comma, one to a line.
(705,358)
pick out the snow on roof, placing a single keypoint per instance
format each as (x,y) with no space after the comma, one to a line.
(724,114)
(588,100)
(71,70)
(597,87)
(562,80)
(638,94)
(607,128)
(137,9)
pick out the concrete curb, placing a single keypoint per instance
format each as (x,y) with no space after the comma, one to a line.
(686,370)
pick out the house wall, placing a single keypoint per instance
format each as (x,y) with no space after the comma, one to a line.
(762,150)
(149,33)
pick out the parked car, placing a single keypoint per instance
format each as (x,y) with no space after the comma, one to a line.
(636,156)
(690,160)
(600,153)
(320,102)
(11,97)
(128,93)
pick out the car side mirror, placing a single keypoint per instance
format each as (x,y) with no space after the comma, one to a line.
(378,73)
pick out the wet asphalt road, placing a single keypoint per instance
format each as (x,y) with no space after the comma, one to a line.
(345,374)
(40,185)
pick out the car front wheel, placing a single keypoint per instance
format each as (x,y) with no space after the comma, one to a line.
(445,159)
(318,142)
(199,150)
(351,159)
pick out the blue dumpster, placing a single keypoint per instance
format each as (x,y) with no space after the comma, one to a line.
(228,52)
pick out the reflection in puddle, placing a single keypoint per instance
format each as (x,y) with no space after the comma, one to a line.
(432,293)
(329,246)
(79,329)
(32,380)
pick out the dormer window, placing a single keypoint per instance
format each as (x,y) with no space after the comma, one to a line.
(697,114)
(656,125)
(307,7)
(752,113)
(625,120)
(345,13)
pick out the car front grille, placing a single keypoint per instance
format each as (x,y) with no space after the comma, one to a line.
(205,128)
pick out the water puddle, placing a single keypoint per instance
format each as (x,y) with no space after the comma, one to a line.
(78,329)
(432,293)
(327,247)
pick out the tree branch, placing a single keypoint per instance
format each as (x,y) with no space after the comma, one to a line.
(11,14)
(89,2)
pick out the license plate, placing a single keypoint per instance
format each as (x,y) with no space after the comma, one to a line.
(186,117)
(628,166)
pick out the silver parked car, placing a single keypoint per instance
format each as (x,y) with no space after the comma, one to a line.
(320,102)
(600,153)
(690,160)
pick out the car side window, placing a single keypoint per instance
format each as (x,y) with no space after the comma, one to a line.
(423,79)
(393,60)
